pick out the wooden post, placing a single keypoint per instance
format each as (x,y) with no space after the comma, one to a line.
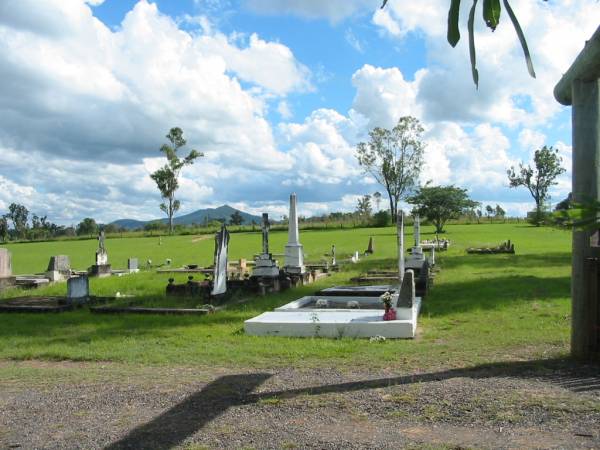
(580,87)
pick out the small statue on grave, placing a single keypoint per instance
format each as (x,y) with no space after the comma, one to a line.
(101,238)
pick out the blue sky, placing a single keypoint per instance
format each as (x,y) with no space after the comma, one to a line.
(276,93)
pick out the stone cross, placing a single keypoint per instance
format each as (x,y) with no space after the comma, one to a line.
(580,87)
(400,233)
(220,271)
(265,233)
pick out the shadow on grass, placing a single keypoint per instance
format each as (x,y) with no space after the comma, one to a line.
(486,261)
(188,417)
(494,293)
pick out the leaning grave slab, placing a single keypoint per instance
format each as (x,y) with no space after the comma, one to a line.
(349,315)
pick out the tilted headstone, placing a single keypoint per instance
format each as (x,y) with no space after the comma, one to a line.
(59,263)
(5,263)
(406,297)
(220,260)
(294,256)
(78,287)
(369,249)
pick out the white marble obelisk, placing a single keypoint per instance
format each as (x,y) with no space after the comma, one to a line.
(294,255)
(417,250)
(400,231)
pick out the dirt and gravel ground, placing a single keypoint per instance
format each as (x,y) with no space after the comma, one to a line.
(88,406)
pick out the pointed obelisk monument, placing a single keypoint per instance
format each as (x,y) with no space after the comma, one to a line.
(400,233)
(294,255)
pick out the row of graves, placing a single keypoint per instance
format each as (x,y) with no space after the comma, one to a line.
(374,310)
(58,270)
(264,275)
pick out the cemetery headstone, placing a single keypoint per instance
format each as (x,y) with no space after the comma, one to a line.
(6,277)
(400,234)
(78,288)
(369,250)
(132,265)
(220,260)
(406,296)
(265,266)
(59,268)
(294,256)
(102,267)
(333,261)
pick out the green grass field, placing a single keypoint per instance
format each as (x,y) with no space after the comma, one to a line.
(482,308)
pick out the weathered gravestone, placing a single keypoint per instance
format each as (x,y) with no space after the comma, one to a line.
(102,267)
(6,277)
(132,265)
(406,296)
(59,268)
(265,266)
(220,271)
(78,288)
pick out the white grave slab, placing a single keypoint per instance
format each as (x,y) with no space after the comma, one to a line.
(359,323)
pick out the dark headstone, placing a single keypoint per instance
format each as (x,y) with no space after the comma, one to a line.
(406,297)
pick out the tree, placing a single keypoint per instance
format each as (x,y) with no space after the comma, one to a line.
(236,218)
(18,214)
(381,218)
(3,228)
(489,211)
(363,206)
(538,179)
(499,213)
(377,199)
(441,203)
(167,177)
(87,226)
(394,158)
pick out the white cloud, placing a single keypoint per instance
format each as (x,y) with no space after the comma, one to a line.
(332,10)
(383,95)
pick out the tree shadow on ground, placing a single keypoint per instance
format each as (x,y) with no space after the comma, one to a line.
(188,417)
(494,293)
(491,261)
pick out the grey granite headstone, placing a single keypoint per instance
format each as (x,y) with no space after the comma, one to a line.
(78,287)
(5,263)
(59,263)
(406,297)
(132,264)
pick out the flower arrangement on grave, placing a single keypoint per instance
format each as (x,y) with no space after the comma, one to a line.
(390,313)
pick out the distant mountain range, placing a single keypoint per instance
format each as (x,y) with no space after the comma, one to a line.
(198,217)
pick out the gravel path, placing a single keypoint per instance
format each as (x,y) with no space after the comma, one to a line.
(513,406)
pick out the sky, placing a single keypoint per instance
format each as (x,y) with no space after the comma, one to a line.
(276,94)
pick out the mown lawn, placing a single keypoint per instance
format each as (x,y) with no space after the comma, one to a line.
(482,308)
